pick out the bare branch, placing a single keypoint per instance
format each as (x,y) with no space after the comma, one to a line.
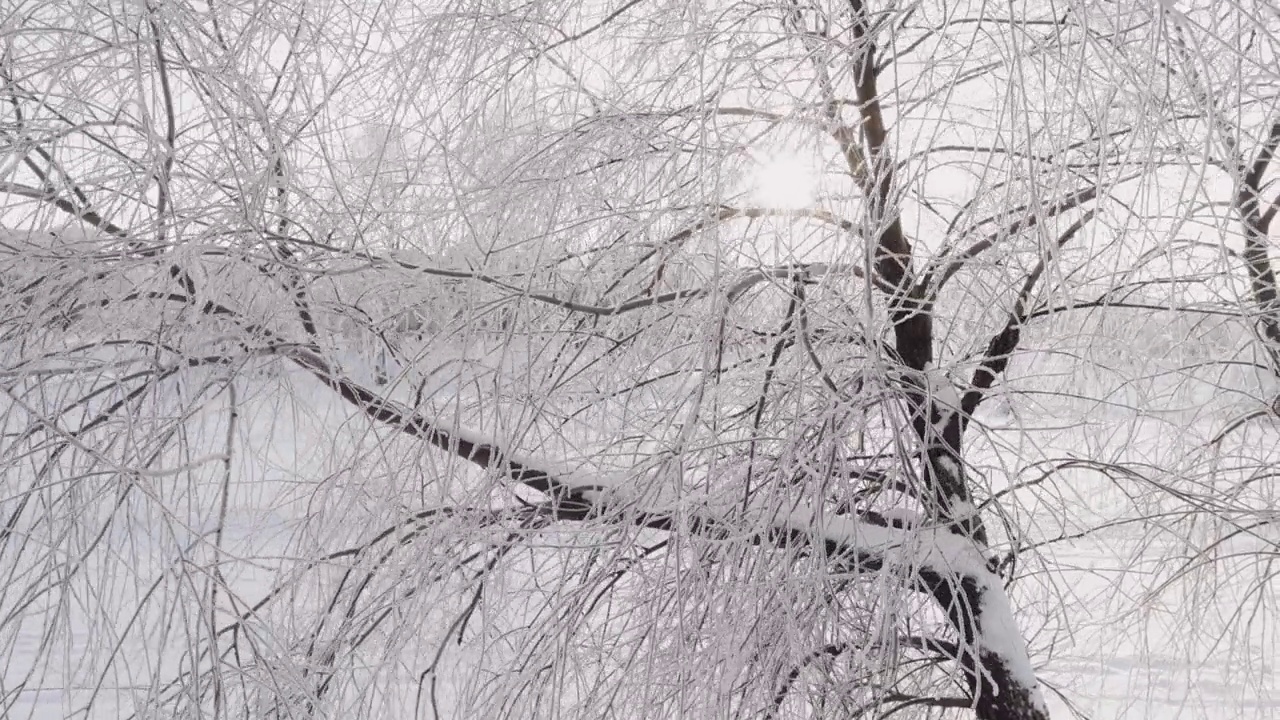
(945,566)
(66,206)
(945,269)
(1002,345)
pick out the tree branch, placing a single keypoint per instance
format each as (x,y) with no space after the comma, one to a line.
(1257,257)
(948,567)
(912,324)
(945,269)
(1253,179)
(1000,348)
(66,206)
(732,292)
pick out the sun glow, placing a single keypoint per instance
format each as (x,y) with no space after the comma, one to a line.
(784,180)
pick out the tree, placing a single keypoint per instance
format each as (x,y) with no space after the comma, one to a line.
(642,353)
(1231,96)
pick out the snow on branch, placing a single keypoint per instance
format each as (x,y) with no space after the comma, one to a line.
(949,567)
(746,280)
(948,264)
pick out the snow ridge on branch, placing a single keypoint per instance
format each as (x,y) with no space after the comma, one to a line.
(949,567)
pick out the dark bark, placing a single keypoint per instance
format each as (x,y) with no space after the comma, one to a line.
(938,428)
(1257,258)
(995,691)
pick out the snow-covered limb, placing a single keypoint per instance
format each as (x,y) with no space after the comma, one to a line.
(939,425)
(745,280)
(941,390)
(954,571)
(949,567)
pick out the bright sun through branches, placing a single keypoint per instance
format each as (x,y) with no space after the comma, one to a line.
(784,180)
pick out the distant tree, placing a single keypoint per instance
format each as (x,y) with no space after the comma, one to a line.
(612,359)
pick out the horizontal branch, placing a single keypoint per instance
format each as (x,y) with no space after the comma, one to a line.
(948,567)
(733,291)
(53,198)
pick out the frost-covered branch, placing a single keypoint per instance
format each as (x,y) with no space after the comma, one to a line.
(1002,345)
(732,291)
(947,266)
(1257,256)
(53,198)
(948,567)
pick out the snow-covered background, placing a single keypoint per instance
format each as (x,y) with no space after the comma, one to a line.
(581,232)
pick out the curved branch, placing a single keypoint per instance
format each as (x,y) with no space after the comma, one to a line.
(584,33)
(948,567)
(830,650)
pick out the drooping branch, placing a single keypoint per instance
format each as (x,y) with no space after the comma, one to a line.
(948,567)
